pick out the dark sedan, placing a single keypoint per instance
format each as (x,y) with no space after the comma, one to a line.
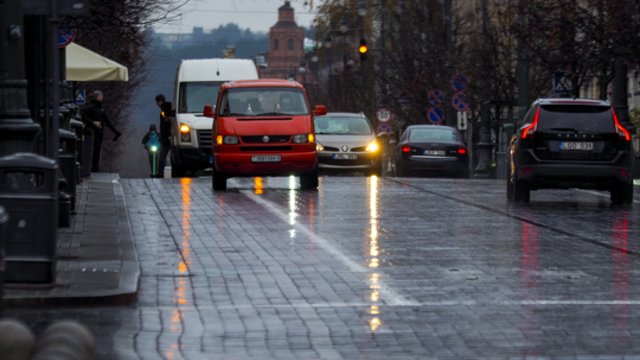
(431,150)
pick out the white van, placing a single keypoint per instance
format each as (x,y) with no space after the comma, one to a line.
(197,83)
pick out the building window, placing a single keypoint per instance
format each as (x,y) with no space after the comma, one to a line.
(276,44)
(290,45)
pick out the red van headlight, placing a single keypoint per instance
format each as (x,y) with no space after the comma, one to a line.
(303,138)
(227,139)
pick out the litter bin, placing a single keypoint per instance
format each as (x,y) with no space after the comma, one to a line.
(78,128)
(87,152)
(67,161)
(28,192)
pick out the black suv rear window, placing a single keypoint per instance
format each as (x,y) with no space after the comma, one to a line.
(576,117)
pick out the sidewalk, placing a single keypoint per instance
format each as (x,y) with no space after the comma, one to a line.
(96,257)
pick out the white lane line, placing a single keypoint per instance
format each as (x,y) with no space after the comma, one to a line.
(389,295)
(451,303)
(605,195)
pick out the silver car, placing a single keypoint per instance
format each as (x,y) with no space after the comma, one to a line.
(347,142)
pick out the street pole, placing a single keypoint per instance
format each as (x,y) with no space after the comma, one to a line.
(17,129)
(484,144)
(448,20)
(52,148)
(620,76)
(620,89)
(522,66)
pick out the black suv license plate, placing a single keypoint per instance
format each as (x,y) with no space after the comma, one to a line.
(576,146)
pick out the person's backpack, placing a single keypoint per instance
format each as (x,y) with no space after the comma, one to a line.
(154,139)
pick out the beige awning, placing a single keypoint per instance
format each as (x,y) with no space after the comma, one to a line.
(84,65)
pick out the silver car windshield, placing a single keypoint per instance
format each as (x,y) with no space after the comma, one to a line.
(342,125)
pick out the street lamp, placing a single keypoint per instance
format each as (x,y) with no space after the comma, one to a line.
(327,41)
(362,8)
(343,25)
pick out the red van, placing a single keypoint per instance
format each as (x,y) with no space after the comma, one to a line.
(263,128)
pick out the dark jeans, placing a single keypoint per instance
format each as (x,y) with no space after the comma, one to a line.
(97,146)
(162,156)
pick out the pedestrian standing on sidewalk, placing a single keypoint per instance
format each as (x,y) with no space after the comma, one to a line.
(96,119)
(151,142)
(165,132)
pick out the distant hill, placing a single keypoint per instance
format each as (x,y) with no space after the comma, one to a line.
(200,44)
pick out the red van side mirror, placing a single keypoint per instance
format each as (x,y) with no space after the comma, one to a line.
(320,110)
(208,111)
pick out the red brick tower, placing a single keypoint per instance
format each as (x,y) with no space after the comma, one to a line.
(286,45)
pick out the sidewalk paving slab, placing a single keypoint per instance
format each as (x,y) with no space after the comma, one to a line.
(96,259)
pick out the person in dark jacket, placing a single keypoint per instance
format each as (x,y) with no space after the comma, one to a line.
(165,132)
(96,119)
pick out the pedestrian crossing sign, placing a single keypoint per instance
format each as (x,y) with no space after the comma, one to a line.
(80,97)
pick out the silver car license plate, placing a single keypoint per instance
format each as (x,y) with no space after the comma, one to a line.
(266,158)
(345,156)
(575,145)
(435,152)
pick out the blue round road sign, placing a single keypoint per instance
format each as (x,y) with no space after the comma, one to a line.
(460,101)
(459,82)
(436,97)
(65,37)
(384,128)
(435,116)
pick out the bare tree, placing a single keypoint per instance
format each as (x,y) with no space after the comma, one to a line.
(119,30)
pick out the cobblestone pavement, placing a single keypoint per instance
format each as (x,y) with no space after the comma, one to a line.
(369,268)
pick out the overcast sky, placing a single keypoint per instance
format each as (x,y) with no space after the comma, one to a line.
(257,15)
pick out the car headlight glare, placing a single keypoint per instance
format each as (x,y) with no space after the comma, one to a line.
(373,147)
(185,133)
(319,147)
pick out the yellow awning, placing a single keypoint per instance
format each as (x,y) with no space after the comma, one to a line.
(84,65)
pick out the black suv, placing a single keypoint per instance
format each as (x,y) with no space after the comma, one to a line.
(571,143)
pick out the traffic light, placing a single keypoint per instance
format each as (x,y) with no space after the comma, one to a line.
(363,49)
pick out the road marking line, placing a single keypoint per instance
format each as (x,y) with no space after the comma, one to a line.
(601,194)
(451,303)
(389,295)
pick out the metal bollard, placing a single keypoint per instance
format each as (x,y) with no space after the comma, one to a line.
(17,342)
(65,339)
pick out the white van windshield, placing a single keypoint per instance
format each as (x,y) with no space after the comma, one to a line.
(195,95)
(263,101)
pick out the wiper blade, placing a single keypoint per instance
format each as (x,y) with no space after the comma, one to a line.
(272,114)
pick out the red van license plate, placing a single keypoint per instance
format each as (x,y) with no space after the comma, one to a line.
(266,158)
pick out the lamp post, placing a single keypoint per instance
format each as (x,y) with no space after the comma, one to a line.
(327,44)
(17,129)
(485,144)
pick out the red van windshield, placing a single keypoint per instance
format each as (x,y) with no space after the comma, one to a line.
(263,101)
